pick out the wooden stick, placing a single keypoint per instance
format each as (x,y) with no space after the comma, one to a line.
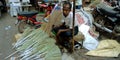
(73,25)
(11,54)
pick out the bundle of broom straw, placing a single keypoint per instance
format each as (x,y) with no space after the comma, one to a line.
(54,19)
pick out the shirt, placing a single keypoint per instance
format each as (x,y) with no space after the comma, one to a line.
(69,20)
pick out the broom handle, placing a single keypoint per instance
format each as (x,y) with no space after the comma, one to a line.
(73,25)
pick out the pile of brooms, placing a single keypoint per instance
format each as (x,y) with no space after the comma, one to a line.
(36,44)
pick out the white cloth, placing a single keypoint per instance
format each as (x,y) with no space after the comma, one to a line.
(78,2)
(15,8)
(14,1)
(69,20)
(84,18)
(25,1)
(89,43)
(72,5)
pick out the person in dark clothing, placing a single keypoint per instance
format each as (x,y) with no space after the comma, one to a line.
(3,7)
(65,30)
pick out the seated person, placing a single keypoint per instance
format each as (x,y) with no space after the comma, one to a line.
(64,31)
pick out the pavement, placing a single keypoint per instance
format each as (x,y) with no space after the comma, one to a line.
(7,32)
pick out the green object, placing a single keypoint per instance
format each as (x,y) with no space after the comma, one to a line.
(54,32)
(37,44)
(41,12)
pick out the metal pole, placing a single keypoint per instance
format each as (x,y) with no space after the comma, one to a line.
(73,25)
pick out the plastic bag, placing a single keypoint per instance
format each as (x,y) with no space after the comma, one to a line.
(89,43)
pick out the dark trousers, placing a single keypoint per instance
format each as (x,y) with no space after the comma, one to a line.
(66,33)
(64,38)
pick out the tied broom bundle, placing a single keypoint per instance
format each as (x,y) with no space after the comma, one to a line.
(54,19)
(36,44)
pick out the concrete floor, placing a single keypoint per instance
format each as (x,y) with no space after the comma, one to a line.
(8,30)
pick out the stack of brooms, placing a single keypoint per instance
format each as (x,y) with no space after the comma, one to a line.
(36,44)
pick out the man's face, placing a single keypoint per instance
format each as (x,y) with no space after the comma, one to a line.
(66,10)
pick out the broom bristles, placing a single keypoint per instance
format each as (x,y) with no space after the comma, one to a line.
(54,19)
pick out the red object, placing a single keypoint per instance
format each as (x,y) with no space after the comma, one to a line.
(46,7)
(43,5)
(49,10)
(22,18)
(30,19)
(36,23)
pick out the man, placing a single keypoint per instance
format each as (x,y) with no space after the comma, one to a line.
(64,31)
(3,4)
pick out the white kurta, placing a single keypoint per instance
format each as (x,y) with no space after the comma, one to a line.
(69,20)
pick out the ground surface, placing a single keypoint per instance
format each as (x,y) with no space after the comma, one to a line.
(7,32)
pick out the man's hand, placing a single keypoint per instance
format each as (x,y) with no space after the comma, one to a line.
(62,30)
